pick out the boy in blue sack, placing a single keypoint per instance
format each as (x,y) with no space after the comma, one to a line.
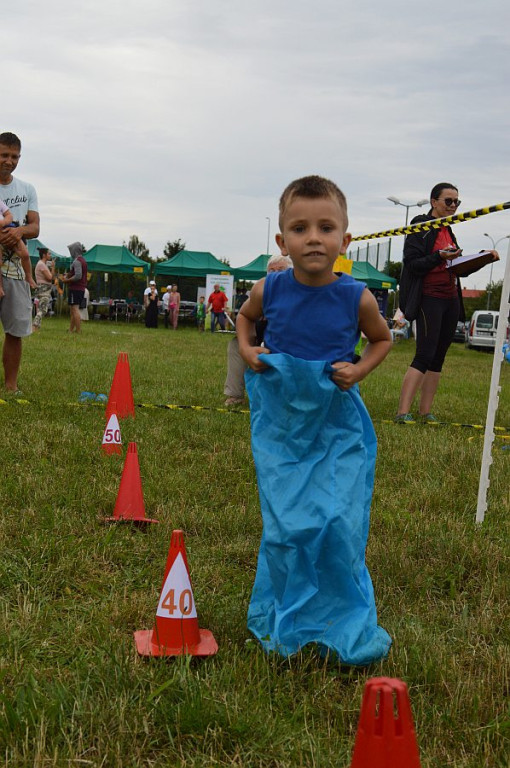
(313,443)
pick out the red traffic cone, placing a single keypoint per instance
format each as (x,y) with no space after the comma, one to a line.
(385,737)
(121,391)
(176,629)
(112,440)
(129,505)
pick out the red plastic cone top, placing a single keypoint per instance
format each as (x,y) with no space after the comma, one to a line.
(176,630)
(129,504)
(112,440)
(385,737)
(121,392)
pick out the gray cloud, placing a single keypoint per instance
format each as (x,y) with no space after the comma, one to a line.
(187,119)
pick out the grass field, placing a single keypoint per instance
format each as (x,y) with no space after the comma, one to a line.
(74,691)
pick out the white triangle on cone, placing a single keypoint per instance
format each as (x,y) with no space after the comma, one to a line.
(111,435)
(176,600)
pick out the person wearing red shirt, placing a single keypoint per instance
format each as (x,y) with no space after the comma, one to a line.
(217,301)
(430,293)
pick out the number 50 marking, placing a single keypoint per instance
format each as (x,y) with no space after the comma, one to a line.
(112,436)
(185,602)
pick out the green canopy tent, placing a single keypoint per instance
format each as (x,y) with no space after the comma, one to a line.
(366,273)
(361,270)
(377,282)
(192,264)
(254,270)
(114,258)
(61,262)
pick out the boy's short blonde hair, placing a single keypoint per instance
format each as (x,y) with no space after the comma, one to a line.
(312,187)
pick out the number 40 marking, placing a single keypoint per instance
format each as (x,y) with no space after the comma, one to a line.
(185,602)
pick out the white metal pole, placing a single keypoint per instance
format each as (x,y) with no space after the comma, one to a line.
(493,394)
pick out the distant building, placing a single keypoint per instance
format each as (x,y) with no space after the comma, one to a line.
(471,293)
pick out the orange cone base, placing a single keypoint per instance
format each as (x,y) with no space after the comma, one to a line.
(140,521)
(110,449)
(146,647)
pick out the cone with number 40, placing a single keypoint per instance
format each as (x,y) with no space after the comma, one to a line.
(176,630)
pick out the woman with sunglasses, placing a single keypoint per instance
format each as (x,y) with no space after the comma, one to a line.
(430,294)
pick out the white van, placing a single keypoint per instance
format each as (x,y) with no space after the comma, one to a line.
(482,329)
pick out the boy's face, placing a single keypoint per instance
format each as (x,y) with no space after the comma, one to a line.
(313,236)
(9,158)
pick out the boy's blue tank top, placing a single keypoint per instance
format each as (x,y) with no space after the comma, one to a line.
(312,323)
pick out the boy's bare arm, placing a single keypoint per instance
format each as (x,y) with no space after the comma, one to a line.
(377,332)
(249,313)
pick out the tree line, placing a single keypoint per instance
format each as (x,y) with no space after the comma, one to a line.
(139,249)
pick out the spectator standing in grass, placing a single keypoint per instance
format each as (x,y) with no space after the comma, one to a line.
(166,300)
(217,301)
(76,279)
(236,367)
(150,302)
(200,313)
(430,293)
(44,277)
(16,303)
(313,442)
(174,304)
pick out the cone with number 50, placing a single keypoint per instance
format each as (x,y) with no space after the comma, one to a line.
(112,440)
(176,630)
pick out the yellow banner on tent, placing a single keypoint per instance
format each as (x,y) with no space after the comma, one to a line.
(342,264)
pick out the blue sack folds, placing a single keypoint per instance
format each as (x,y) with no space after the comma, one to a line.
(314,448)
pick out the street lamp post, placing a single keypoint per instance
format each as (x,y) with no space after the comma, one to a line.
(396,201)
(419,204)
(494,244)
(268,233)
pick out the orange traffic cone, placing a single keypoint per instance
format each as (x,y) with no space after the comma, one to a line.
(129,505)
(121,391)
(112,440)
(176,629)
(385,737)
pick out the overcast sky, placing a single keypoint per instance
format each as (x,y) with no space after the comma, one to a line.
(170,119)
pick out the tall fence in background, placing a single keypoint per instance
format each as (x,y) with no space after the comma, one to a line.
(376,253)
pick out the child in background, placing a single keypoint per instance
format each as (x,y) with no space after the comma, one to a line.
(6,220)
(313,442)
(200,313)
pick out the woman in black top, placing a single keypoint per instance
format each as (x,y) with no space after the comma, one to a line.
(430,294)
(150,300)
